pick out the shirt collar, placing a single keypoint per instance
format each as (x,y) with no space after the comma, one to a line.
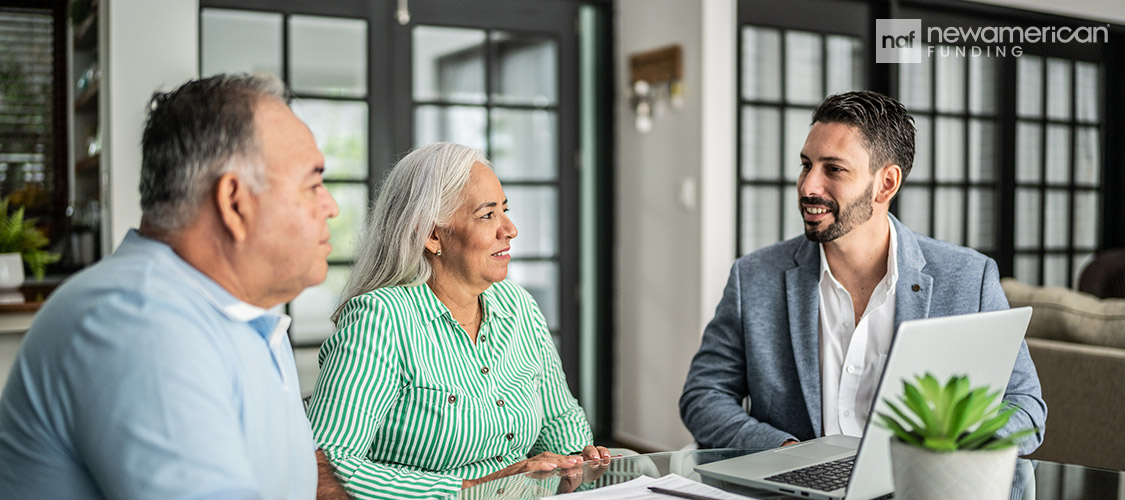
(890,279)
(266,322)
(430,307)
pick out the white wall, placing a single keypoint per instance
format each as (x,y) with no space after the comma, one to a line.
(147,45)
(671,257)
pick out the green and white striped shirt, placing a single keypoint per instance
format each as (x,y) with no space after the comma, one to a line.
(406,406)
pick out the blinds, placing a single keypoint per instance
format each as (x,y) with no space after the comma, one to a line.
(27,149)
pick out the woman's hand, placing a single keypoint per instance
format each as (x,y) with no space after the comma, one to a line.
(543,462)
(591,452)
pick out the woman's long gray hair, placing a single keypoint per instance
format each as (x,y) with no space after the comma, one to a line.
(419,195)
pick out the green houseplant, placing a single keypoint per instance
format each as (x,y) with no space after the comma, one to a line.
(946,440)
(20,236)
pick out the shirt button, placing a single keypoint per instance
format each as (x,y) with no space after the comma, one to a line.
(499,459)
(484,370)
(847,413)
(482,338)
(452,399)
(510,436)
(499,402)
(851,369)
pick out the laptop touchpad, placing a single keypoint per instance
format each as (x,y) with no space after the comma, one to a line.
(817,450)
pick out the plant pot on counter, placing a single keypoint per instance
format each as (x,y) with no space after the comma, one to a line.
(11,277)
(922,474)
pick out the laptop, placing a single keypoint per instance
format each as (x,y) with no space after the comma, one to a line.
(982,345)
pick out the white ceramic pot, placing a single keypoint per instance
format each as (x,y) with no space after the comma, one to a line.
(921,474)
(11,277)
(11,271)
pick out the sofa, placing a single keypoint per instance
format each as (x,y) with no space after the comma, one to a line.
(1077,342)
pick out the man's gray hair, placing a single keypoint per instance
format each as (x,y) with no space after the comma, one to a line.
(420,194)
(194,135)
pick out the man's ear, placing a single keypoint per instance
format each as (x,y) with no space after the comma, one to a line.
(236,205)
(887,183)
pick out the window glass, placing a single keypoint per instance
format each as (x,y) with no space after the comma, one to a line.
(803,68)
(541,279)
(236,41)
(1028,153)
(525,69)
(534,211)
(949,215)
(761,127)
(524,144)
(448,64)
(1058,89)
(1028,205)
(982,219)
(460,124)
(914,208)
(761,50)
(950,157)
(312,309)
(1029,86)
(352,200)
(340,128)
(759,217)
(950,83)
(328,56)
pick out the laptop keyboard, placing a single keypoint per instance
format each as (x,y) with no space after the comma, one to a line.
(826,476)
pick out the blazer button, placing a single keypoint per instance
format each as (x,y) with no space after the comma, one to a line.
(499,402)
(510,436)
(452,399)
(484,370)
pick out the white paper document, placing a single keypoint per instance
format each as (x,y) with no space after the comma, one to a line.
(637,489)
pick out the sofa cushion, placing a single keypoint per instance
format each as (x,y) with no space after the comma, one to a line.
(1070,316)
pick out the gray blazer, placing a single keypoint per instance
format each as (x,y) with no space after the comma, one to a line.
(763,342)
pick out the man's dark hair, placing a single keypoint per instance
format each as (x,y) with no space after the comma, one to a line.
(194,135)
(887,129)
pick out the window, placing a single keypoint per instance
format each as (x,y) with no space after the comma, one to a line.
(498,91)
(505,80)
(1010,149)
(33,151)
(1058,168)
(499,75)
(324,61)
(784,74)
(950,191)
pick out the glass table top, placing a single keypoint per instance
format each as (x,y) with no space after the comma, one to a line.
(1051,481)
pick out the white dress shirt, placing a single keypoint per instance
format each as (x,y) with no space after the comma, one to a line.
(852,354)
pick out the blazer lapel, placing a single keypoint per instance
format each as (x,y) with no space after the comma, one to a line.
(914,289)
(802,295)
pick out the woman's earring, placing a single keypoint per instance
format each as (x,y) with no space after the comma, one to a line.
(438,253)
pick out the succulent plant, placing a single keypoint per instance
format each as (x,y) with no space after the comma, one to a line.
(951,417)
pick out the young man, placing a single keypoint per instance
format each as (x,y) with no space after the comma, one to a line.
(160,372)
(805,325)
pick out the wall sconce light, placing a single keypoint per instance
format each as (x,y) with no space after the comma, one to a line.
(655,81)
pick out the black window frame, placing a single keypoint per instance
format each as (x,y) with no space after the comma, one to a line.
(808,15)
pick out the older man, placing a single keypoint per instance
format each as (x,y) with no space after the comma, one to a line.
(160,372)
(805,325)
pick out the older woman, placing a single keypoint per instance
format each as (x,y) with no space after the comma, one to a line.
(442,374)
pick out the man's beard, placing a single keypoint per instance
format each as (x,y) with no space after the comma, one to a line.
(853,214)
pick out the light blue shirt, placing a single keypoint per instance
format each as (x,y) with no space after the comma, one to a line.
(143,378)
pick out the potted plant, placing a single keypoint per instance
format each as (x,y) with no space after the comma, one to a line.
(945,441)
(21,242)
